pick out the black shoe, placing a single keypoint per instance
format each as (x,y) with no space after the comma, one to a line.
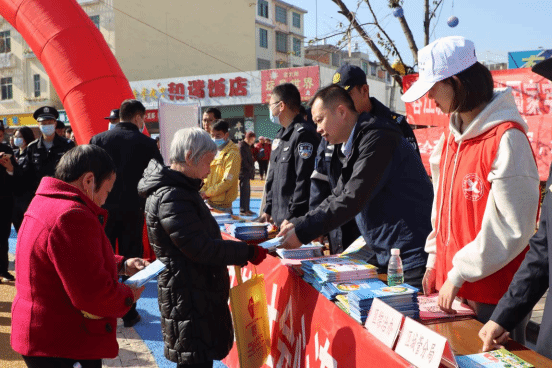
(7,276)
(133,321)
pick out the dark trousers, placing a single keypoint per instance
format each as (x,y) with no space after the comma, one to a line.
(200,365)
(20,205)
(6,205)
(125,229)
(263,167)
(245,194)
(47,362)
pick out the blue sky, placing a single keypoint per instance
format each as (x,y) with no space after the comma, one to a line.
(495,26)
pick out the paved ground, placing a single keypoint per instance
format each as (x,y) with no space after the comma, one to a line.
(141,347)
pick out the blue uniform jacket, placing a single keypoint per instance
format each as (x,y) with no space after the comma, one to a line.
(384,186)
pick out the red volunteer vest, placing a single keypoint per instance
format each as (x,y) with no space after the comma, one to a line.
(468,200)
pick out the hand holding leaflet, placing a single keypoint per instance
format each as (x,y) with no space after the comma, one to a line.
(148,273)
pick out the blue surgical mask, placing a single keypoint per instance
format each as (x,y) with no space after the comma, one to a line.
(219,142)
(274,119)
(111,126)
(18,141)
(48,130)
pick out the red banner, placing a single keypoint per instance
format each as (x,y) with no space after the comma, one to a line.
(533,96)
(308,330)
(306,79)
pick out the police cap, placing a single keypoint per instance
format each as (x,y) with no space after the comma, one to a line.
(348,76)
(46,113)
(114,114)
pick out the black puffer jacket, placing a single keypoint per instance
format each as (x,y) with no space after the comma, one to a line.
(193,291)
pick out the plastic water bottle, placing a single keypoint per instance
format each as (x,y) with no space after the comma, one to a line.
(395,275)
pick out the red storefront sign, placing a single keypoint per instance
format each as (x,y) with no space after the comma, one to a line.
(308,330)
(533,96)
(152,116)
(306,79)
(197,88)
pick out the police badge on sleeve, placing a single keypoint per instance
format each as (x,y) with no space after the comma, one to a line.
(305,150)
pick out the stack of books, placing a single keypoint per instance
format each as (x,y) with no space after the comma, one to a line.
(303,252)
(344,269)
(247,231)
(342,302)
(332,289)
(223,218)
(358,249)
(431,313)
(403,298)
(320,271)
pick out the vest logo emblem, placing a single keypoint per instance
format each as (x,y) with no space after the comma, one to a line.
(473,188)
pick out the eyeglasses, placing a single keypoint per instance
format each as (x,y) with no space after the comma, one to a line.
(274,103)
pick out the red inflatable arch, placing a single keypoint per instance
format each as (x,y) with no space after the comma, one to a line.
(82,68)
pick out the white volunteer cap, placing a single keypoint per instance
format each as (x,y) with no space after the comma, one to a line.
(439,60)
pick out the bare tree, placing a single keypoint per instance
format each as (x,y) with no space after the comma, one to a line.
(383,38)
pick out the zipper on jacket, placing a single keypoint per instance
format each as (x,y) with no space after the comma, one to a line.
(450,193)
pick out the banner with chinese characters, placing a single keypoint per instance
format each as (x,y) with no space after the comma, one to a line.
(210,90)
(306,79)
(533,96)
(308,330)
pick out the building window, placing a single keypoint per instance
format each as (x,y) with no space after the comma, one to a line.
(281,64)
(263,64)
(96,20)
(281,42)
(262,8)
(263,38)
(388,78)
(5,42)
(296,20)
(281,14)
(6,86)
(365,67)
(373,70)
(296,47)
(36,80)
(335,59)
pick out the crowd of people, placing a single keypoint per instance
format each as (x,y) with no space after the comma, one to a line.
(346,167)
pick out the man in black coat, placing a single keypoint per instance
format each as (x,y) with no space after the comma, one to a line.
(292,158)
(7,168)
(247,172)
(131,151)
(531,280)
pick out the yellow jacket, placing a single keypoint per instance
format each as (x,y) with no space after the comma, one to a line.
(221,186)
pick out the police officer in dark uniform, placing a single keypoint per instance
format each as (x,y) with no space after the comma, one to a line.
(8,169)
(292,157)
(113,118)
(45,152)
(328,166)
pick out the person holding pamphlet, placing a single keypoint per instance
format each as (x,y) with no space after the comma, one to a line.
(68,294)
(194,289)
(532,279)
(485,178)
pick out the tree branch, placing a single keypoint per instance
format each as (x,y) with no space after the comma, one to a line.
(345,11)
(376,23)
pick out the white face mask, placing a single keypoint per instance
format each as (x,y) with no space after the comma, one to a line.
(18,141)
(48,130)
(111,126)
(274,119)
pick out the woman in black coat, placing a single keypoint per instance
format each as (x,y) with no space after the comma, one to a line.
(24,190)
(193,291)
